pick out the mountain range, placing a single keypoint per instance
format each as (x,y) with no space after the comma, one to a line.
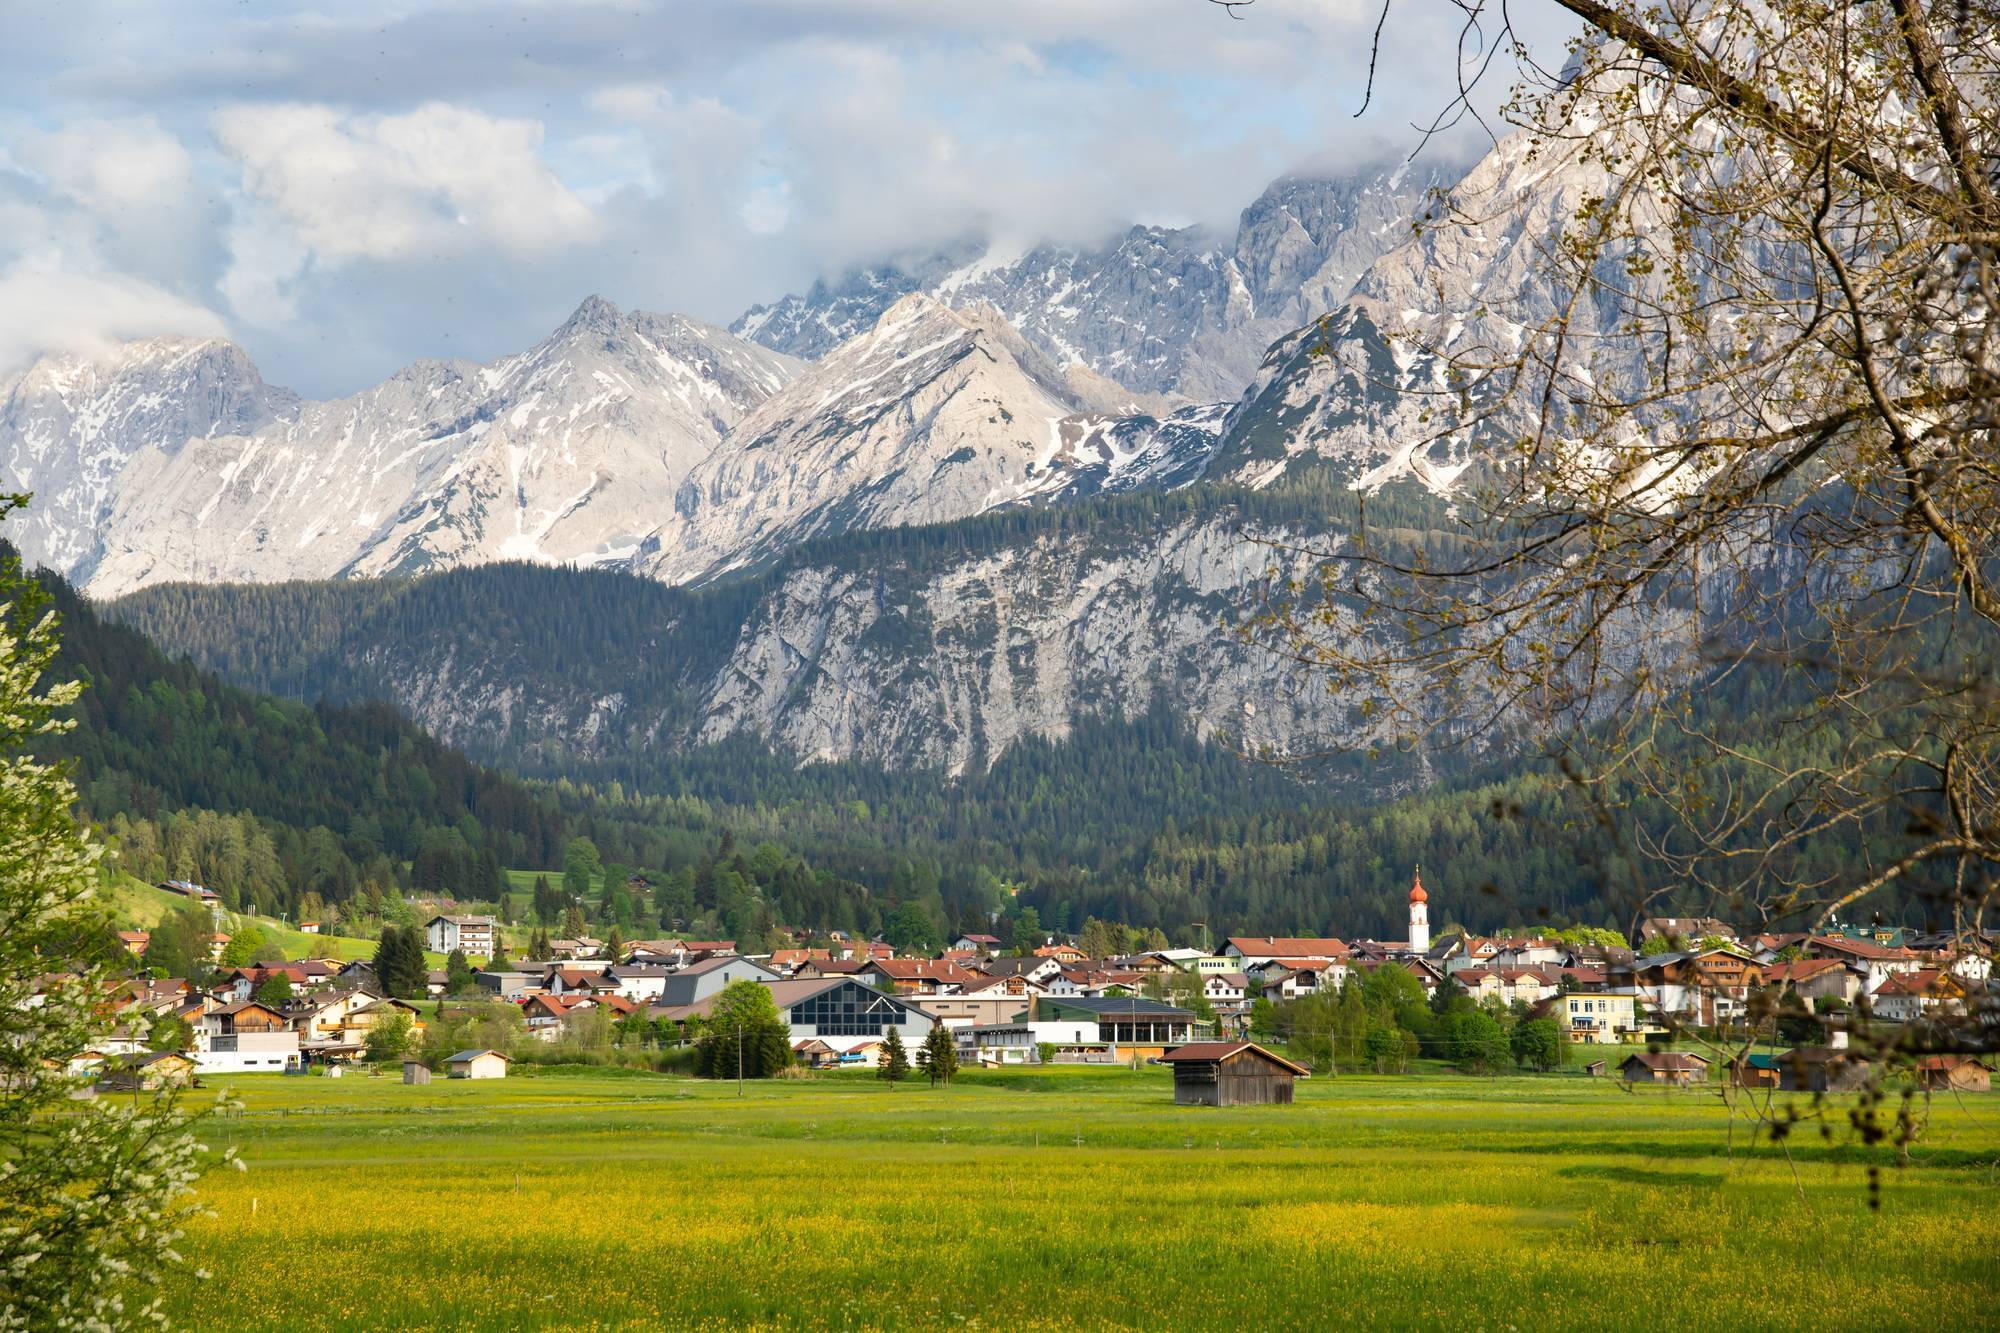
(920,514)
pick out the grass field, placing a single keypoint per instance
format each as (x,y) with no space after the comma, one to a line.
(1073,1198)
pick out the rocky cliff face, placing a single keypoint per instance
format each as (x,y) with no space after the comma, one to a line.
(934,414)
(70,424)
(1177,313)
(568,453)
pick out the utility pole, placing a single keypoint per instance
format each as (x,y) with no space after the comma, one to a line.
(739,1059)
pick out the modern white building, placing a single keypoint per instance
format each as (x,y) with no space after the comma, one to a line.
(472,934)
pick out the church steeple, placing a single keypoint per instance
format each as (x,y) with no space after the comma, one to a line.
(1420,914)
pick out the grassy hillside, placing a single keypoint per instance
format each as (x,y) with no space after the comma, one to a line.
(135,904)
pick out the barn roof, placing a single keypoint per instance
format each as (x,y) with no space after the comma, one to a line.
(1203,1052)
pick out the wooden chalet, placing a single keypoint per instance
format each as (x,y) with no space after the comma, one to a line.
(1231,1073)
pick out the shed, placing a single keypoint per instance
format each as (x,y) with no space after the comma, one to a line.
(1673,1067)
(160,1069)
(1821,1069)
(1759,1070)
(416,1071)
(1953,1073)
(477,1064)
(1231,1073)
(1594,1068)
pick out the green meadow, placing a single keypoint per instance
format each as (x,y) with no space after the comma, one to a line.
(1078,1198)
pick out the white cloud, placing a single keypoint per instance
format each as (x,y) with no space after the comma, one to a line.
(44,308)
(438,180)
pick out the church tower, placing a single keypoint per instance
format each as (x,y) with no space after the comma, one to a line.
(1420,915)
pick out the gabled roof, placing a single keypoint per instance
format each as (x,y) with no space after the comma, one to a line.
(1207,1052)
(463,1056)
(1915,983)
(1866,950)
(1803,969)
(1289,946)
(1666,1061)
(925,969)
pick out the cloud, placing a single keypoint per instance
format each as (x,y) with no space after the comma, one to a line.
(438,179)
(47,309)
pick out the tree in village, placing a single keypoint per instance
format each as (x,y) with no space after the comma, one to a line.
(275,990)
(457,974)
(1028,933)
(894,1066)
(400,964)
(745,1035)
(391,1038)
(581,868)
(499,960)
(1738,440)
(95,1189)
(1537,1043)
(178,946)
(938,1057)
(546,902)
(574,927)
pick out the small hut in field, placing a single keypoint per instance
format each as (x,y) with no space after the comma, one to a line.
(416,1071)
(1231,1073)
(1953,1073)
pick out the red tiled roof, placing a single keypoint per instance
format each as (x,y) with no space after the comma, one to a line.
(1289,946)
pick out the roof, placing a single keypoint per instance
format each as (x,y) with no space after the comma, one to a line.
(1289,946)
(1802,970)
(981,939)
(1666,1061)
(463,920)
(464,1056)
(1205,1052)
(1938,1062)
(1910,983)
(1863,949)
(1117,1005)
(924,969)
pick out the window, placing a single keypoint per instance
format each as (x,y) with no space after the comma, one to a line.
(848,1011)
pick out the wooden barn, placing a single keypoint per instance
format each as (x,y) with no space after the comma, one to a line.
(416,1071)
(1231,1073)
(1672,1067)
(1821,1069)
(1953,1073)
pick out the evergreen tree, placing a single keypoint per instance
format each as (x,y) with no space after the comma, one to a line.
(574,927)
(499,962)
(457,974)
(895,1062)
(399,962)
(940,1055)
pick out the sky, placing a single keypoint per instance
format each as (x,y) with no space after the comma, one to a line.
(346,188)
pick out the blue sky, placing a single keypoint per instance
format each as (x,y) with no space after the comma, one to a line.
(347,188)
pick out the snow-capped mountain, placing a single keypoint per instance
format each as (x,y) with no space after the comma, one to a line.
(69,424)
(935,413)
(1174,312)
(566,453)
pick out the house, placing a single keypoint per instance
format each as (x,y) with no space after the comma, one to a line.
(1131,1024)
(147,1073)
(1691,930)
(1602,1017)
(1875,963)
(1282,981)
(1034,969)
(700,980)
(477,1064)
(1063,954)
(1953,1073)
(642,982)
(1815,979)
(309,927)
(510,983)
(580,949)
(1225,987)
(245,1038)
(991,1004)
(135,941)
(923,976)
(1821,1069)
(1231,1073)
(977,943)
(1676,1068)
(1249,950)
(1906,997)
(472,935)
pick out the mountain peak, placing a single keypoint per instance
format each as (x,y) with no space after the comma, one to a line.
(595,315)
